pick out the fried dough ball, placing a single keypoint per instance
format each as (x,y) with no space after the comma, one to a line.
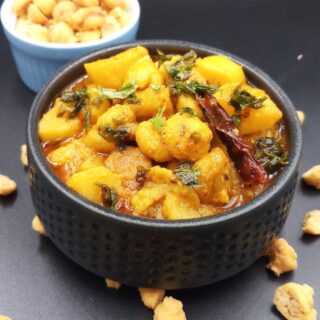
(169,309)
(121,15)
(283,257)
(187,137)
(38,32)
(46,6)
(86,3)
(35,15)
(86,36)
(312,177)
(61,32)
(150,141)
(110,25)
(20,7)
(111,4)
(93,21)
(311,223)
(7,186)
(63,11)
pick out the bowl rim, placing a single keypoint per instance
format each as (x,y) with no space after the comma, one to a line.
(6,11)
(287,174)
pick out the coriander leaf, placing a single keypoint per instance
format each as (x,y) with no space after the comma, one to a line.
(188,175)
(192,88)
(242,99)
(162,56)
(126,91)
(189,111)
(159,120)
(270,153)
(236,120)
(87,119)
(157,86)
(108,196)
(118,135)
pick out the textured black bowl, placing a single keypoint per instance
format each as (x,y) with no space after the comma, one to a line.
(152,253)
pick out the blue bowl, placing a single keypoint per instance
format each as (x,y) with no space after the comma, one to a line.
(38,61)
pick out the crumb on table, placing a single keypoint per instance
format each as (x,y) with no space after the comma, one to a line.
(37,226)
(311,222)
(4,318)
(301,116)
(312,177)
(7,185)
(169,309)
(295,301)
(23,155)
(151,297)
(282,256)
(112,284)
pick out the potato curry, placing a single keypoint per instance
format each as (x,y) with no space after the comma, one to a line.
(164,136)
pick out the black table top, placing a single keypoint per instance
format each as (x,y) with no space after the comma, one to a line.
(37,282)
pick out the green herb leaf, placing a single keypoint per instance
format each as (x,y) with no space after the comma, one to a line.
(159,120)
(180,70)
(191,88)
(163,57)
(188,175)
(189,111)
(157,86)
(126,91)
(108,196)
(236,120)
(270,153)
(242,99)
(118,135)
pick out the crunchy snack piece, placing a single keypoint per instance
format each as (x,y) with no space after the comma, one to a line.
(151,297)
(311,223)
(35,15)
(4,318)
(113,284)
(295,301)
(23,156)
(301,116)
(312,177)
(37,226)
(7,186)
(169,309)
(20,6)
(283,257)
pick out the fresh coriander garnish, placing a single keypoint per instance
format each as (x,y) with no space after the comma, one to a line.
(157,86)
(108,196)
(192,88)
(188,175)
(180,70)
(118,135)
(242,99)
(126,91)
(270,153)
(163,57)
(189,111)
(159,120)
(236,120)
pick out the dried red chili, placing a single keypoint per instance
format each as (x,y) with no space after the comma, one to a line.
(249,168)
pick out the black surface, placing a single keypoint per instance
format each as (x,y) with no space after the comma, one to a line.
(38,282)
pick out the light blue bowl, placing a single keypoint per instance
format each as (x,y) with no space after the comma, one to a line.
(38,61)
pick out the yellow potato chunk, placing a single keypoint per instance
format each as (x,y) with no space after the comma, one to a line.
(92,162)
(311,223)
(143,73)
(220,69)
(112,284)
(87,182)
(187,137)
(212,168)
(260,119)
(150,141)
(163,68)
(37,226)
(187,101)
(111,72)
(7,185)
(151,101)
(126,162)
(169,309)
(312,177)
(151,297)
(161,175)
(224,95)
(52,127)
(35,15)
(295,301)
(282,257)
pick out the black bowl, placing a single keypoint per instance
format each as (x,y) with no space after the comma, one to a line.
(153,253)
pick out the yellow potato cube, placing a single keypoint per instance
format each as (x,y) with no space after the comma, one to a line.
(187,101)
(220,69)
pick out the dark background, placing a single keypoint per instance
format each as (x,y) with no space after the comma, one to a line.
(38,283)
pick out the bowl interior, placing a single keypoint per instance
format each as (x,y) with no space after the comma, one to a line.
(254,75)
(8,19)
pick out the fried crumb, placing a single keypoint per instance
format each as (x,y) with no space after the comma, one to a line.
(311,223)
(282,256)
(4,318)
(300,57)
(37,226)
(169,309)
(23,155)
(151,297)
(301,116)
(312,177)
(7,186)
(295,301)
(112,284)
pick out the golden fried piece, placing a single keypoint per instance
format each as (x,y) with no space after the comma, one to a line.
(35,15)
(7,186)
(169,309)
(37,226)
(312,177)
(295,301)
(283,257)
(61,32)
(46,6)
(23,155)
(311,223)
(20,7)
(112,284)
(151,297)
(63,11)
(301,116)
